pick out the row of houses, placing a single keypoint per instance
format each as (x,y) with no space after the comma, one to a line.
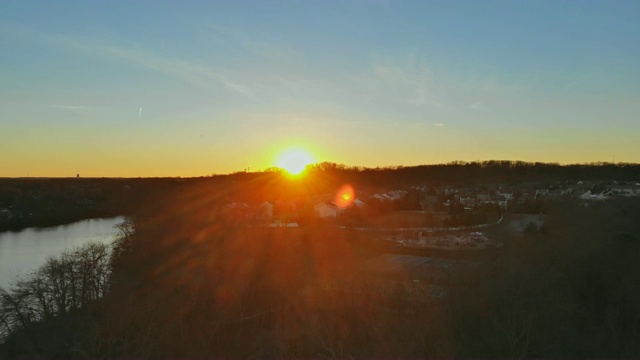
(326,206)
(468,201)
(334,209)
(282,213)
(444,197)
(625,190)
(390,196)
(440,199)
(611,192)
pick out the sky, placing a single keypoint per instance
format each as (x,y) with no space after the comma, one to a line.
(194,88)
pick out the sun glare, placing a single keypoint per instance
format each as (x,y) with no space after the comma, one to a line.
(294,161)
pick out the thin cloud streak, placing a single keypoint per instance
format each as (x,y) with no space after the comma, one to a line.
(477,105)
(410,80)
(279,53)
(74,108)
(191,73)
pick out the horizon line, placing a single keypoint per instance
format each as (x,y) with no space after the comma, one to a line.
(343,167)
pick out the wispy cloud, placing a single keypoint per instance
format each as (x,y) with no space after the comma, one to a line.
(279,69)
(188,72)
(407,80)
(438,124)
(267,50)
(75,108)
(477,105)
(183,70)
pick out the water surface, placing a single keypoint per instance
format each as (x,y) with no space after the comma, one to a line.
(24,251)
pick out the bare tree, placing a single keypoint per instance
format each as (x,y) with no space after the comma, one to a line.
(64,283)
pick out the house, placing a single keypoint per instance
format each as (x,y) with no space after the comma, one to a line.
(284,225)
(626,190)
(597,197)
(265,211)
(507,195)
(449,191)
(468,202)
(541,193)
(395,195)
(359,203)
(390,196)
(586,195)
(501,201)
(324,210)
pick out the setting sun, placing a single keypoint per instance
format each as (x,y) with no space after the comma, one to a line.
(294,161)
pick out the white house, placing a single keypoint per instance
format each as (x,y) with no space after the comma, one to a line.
(602,196)
(359,203)
(626,190)
(325,210)
(265,210)
(508,196)
(390,196)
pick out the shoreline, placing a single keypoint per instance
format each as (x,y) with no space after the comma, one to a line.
(52,224)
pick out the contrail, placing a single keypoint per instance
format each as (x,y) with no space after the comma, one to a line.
(140,113)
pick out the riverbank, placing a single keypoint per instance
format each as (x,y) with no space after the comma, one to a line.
(16,224)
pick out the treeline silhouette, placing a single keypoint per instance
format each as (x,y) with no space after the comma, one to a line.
(188,283)
(36,202)
(42,202)
(492,171)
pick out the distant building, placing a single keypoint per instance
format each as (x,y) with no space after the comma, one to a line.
(390,196)
(541,193)
(265,211)
(596,197)
(586,195)
(324,210)
(284,225)
(501,201)
(468,202)
(507,195)
(449,191)
(626,190)
(359,203)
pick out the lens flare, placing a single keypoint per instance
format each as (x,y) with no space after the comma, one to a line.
(345,196)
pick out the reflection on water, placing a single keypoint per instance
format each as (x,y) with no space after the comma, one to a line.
(24,251)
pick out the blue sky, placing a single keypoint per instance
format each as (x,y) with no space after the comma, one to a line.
(159,88)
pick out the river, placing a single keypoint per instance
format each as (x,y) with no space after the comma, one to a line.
(24,251)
